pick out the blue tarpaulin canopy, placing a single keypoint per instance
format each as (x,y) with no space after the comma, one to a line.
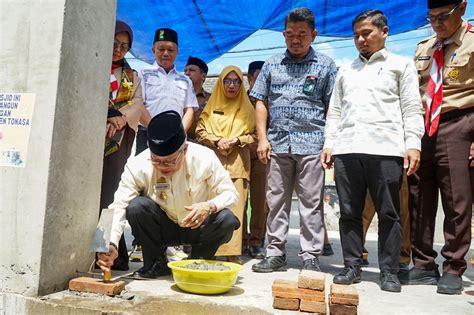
(208,29)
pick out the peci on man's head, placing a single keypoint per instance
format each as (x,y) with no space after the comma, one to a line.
(445,16)
(299,32)
(196,69)
(167,142)
(370,30)
(165,47)
(253,72)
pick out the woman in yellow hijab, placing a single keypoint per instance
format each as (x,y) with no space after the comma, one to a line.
(227,125)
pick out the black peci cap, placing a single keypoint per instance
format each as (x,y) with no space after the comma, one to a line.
(166,34)
(165,133)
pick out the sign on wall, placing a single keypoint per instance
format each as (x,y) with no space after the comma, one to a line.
(16,112)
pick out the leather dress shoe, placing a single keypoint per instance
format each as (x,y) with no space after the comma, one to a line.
(348,275)
(420,276)
(311,264)
(389,282)
(449,284)
(256,252)
(235,259)
(158,268)
(270,264)
(327,250)
(365,259)
(403,268)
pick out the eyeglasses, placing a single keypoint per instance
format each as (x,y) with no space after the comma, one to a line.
(171,163)
(123,46)
(441,17)
(236,82)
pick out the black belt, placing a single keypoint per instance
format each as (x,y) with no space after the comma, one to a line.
(455,114)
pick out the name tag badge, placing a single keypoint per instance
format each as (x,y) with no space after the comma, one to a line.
(218,112)
(423,58)
(161,186)
(309,86)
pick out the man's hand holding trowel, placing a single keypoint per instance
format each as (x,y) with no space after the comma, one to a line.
(106,260)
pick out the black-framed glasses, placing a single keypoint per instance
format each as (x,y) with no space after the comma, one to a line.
(171,163)
(441,17)
(123,46)
(236,82)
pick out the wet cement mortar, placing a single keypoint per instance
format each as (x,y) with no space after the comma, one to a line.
(134,303)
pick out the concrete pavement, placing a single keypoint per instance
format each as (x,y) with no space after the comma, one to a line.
(252,292)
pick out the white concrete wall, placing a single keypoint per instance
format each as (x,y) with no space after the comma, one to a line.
(60,50)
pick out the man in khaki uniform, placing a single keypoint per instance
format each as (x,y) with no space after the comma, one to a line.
(445,148)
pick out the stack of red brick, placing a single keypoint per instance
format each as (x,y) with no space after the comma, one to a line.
(308,294)
(343,299)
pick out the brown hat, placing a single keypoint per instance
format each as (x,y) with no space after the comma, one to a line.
(433,4)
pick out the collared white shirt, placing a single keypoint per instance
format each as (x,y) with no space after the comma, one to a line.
(375,107)
(200,178)
(166,91)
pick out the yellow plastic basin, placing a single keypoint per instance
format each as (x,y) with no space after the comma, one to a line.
(204,281)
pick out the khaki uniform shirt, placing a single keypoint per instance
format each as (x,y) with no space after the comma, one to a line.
(200,178)
(458,69)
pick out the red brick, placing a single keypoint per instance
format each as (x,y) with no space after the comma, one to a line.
(313,307)
(309,279)
(85,284)
(286,304)
(289,290)
(344,294)
(339,309)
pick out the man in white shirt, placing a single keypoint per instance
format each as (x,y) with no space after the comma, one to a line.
(163,87)
(173,193)
(373,129)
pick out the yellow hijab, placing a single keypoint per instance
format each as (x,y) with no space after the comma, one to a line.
(229,117)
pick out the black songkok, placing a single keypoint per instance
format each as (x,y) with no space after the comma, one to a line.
(198,62)
(255,65)
(165,133)
(433,4)
(166,34)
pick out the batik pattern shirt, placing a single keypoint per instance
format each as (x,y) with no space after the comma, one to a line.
(298,94)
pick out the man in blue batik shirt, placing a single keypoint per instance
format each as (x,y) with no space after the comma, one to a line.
(298,86)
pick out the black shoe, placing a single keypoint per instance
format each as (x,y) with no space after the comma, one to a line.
(365,258)
(235,259)
(389,282)
(420,276)
(270,264)
(311,264)
(327,250)
(348,275)
(403,269)
(257,252)
(449,284)
(158,268)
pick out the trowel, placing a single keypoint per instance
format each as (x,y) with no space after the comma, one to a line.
(100,244)
(101,241)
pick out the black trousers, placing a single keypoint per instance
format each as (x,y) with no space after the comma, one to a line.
(155,231)
(142,141)
(382,176)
